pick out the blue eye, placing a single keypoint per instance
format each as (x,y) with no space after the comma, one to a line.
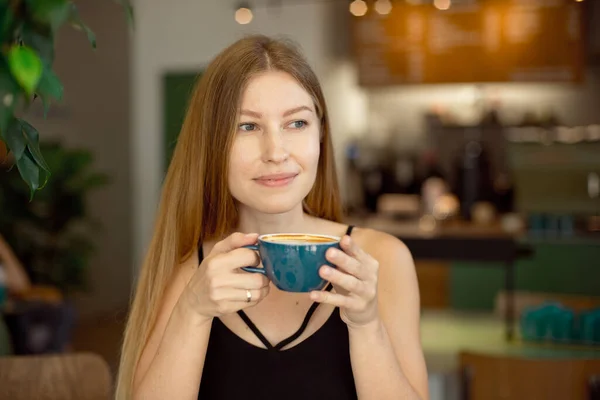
(298,124)
(247,127)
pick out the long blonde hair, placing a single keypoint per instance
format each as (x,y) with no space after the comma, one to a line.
(196,204)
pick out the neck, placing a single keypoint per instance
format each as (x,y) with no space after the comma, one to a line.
(292,221)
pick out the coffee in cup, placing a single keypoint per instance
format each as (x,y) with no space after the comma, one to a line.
(299,238)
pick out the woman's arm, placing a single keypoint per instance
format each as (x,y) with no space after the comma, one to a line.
(377,292)
(172,361)
(377,372)
(387,358)
(17,280)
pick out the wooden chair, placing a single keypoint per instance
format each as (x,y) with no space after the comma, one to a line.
(496,377)
(81,376)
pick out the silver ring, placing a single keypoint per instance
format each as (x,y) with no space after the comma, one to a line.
(248,296)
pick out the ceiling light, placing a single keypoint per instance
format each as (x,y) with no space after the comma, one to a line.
(358,8)
(442,4)
(383,7)
(243,15)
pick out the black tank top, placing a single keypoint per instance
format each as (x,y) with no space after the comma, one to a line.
(316,368)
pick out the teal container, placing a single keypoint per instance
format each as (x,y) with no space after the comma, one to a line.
(531,327)
(561,324)
(548,322)
(589,327)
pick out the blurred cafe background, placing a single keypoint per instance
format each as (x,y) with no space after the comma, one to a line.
(470,129)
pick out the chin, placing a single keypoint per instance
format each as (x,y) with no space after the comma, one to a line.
(275,207)
(272,204)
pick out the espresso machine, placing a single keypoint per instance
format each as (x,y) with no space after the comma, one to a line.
(373,171)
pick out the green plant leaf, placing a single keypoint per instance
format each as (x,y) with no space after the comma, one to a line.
(52,234)
(23,140)
(30,172)
(9,91)
(128,10)
(32,138)
(15,140)
(52,13)
(40,40)
(49,87)
(25,66)
(6,20)
(78,24)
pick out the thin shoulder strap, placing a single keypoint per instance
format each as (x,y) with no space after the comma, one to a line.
(290,339)
(299,332)
(349,230)
(241,313)
(255,330)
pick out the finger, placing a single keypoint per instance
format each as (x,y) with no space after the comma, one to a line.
(335,299)
(234,259)
(346,281)
(344,261)
(241,295)
(242,258)
(234,241)
(245,280)
(256,296)
(350,247)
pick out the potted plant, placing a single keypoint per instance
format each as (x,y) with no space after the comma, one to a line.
(52,234)
(28,29)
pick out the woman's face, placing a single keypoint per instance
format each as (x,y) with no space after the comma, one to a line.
(275,153)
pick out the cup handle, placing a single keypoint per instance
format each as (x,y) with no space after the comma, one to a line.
(253,269)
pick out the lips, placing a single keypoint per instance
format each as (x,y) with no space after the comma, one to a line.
(276,180)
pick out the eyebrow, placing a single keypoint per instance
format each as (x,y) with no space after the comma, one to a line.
(287,113)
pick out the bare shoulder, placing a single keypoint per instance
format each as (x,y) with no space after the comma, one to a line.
(398,300)
(325,226)
(179,279)
(184,271)
(397,275)
(383,247)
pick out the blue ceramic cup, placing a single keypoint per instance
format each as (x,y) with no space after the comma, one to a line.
(292,260)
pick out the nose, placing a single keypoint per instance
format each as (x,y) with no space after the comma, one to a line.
(275,150)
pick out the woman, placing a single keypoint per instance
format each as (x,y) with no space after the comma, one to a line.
(12,274)
(13,281)
(255,156)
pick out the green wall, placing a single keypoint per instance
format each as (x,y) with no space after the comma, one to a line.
(568,268)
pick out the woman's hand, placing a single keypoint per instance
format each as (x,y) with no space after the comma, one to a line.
(219,286)
(355,283)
